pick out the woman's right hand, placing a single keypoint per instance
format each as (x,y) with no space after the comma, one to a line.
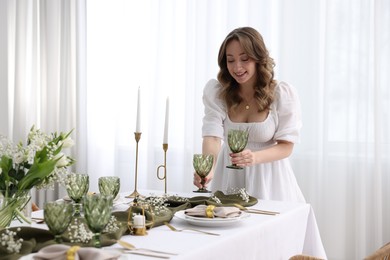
(197,181)
(210,145)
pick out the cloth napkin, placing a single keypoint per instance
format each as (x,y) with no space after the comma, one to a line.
(63,252)
(213,212)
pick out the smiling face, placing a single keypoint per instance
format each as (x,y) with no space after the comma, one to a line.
(245,68)
(240,66)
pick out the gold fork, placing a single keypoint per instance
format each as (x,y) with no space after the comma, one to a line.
(131,247)
(256,211)
(189,229)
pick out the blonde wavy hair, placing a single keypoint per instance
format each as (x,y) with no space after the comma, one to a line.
(253,44)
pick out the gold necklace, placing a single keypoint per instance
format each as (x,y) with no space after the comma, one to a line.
(248,103)
(247,106)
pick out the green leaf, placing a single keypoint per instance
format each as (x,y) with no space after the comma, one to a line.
(36,174)
(41,155)
(5,164)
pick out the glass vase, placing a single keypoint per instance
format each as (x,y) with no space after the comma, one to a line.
(15,205)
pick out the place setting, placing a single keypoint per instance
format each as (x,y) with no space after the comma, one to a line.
(212,216)
(221,209)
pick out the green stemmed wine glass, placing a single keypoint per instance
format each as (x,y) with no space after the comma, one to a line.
(202,164)
(237,141)
(109,185)
(57,215)
(77,186)
(97,213)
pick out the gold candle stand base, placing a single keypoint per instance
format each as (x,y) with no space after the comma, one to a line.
(134,194)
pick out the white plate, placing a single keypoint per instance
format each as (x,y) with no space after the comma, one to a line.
(210,222)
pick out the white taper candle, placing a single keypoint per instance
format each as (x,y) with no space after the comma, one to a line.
(138,125)
(165,141)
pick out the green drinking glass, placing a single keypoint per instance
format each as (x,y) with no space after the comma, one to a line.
(202,164)
(77,186)
(109,185)
(57,215)
(97,213)
(237,141)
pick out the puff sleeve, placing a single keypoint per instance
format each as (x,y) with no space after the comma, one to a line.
(288,109)
(214,110)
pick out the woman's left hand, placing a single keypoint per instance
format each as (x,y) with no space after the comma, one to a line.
(244,158)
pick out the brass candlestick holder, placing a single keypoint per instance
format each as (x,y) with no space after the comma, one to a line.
(140,217)
(135,192)
(164,177)
(136,220)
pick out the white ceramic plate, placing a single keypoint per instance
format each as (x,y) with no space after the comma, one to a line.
(210,222)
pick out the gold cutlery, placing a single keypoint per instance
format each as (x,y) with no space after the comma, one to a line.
(144,253)
(151,254)
(133,248)
(256,211)
(189,229)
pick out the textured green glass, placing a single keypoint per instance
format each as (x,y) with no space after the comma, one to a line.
(109,185)
(97,213)
(202,164)
(237,141)
(58,216)
(77,186)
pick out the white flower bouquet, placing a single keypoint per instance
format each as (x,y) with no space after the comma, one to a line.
(40,163)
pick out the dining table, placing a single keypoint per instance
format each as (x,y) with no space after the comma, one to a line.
(291,231)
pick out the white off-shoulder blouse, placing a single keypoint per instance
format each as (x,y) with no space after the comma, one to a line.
(273,180)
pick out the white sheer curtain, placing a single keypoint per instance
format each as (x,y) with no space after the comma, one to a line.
(342,163)
(38,69)
(336,53)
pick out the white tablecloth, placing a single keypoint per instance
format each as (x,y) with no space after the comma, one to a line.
(294,231)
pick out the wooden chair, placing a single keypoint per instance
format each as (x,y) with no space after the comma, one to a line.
(304,257)
(382,253)
(34,207)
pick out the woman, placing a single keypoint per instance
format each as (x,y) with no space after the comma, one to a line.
(246,96)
